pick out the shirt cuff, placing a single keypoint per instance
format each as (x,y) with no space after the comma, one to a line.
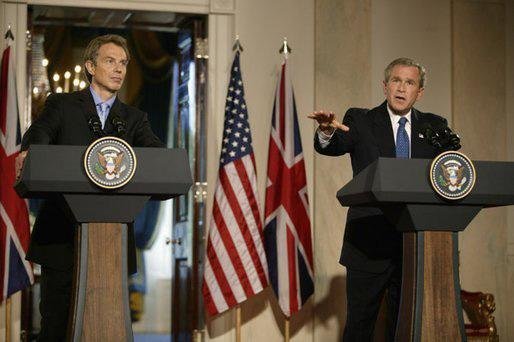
(324,138)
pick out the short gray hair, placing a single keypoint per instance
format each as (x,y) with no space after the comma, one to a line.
(406,62)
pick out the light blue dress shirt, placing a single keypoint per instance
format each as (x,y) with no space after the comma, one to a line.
(102,107)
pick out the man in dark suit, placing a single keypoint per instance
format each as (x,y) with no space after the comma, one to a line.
(78,119)
(372,248)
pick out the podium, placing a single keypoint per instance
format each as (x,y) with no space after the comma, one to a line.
(100,300)
(430,305)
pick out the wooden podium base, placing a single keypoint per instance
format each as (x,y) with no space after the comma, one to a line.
(100,308)
(430,307)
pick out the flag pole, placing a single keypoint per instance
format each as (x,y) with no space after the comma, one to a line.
(8,34)
(237,45)
(9,37)
(238,323)
(285,49)
(286,330)
(8,319)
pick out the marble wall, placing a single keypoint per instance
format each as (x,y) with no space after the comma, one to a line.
(420,30)
(343,79)
(479,115)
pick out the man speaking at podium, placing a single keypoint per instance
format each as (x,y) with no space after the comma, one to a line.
(79,118)
(372,248)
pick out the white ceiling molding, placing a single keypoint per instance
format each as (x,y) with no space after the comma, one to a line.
(223,6)
(179,6)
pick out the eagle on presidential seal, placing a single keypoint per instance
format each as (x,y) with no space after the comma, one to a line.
(453,173)
(110,164)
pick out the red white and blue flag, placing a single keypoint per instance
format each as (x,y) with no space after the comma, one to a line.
(235,264)
(15,271)
(287,230)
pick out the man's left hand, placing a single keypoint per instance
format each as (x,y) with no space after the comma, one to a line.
(20,159)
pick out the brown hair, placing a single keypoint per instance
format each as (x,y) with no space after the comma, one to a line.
(406,62)
(94,45)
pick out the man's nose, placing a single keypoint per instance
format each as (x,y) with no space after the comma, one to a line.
(118,67)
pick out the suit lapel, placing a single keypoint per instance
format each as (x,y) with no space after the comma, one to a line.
(383,131)
(416,134)
(87,104)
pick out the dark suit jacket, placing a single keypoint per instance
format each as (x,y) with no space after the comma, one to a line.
(64,121)
(371,243)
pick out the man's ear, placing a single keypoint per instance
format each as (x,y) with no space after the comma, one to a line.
(90,67)
(384,84)
(420,93)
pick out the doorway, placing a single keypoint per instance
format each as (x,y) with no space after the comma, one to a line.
(167,78)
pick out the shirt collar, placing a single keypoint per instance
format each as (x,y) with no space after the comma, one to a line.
(98,100)
(395,117)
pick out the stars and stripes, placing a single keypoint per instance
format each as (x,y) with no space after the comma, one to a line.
(235,265)
(287,230)
(15,271)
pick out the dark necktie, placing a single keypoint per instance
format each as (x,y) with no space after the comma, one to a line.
(402,140)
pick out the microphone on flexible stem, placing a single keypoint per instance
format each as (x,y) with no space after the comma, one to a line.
(451,140)
(432,137)
(96,126)
(119,125)
(443,139)
(455,142)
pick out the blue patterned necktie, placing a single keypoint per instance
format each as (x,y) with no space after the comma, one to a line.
(402,140)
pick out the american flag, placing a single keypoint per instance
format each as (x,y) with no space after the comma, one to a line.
(15,271)
(235,266)
(287,230)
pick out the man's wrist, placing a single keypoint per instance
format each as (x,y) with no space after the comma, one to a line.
(324,137)
(327,130)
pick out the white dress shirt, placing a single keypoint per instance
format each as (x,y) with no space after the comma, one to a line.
(395,118)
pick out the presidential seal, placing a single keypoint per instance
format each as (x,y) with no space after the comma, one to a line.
(110,162)
(452,175)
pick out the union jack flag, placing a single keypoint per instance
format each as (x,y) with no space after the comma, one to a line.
(235,266)
(15,271)
(287,231)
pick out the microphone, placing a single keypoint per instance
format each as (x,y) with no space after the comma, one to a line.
(95,126)
(451,140)
(442,138)
(432,137)
(120,125)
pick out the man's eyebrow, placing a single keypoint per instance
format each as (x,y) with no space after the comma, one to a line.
(112,57)
(406,79)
